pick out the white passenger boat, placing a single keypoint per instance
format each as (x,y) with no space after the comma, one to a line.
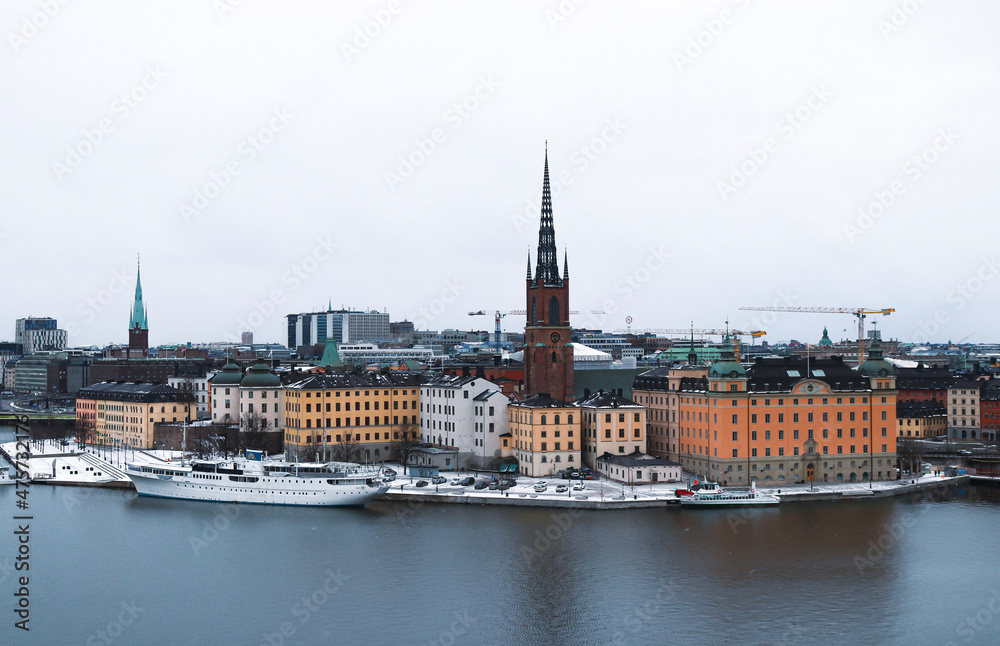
(5,475)
(710,494)
(251,480)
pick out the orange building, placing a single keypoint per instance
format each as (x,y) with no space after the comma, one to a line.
(789,420)
(124,414)
(546,435)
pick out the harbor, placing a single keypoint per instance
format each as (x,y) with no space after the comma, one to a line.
(65,463)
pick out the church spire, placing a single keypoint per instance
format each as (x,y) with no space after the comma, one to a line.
(565,264)
(547,266)
(138,319)
(529,264)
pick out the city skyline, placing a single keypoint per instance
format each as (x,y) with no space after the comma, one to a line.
(703,158)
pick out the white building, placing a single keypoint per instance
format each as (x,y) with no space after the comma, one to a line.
(197,386)
(259,392)
(364,353)
(344,326)
(38,334)
(465,414)
(638,468)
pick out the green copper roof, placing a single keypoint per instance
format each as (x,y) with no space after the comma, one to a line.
(727,366)
(231,375)
(138,318)
(330,358)
(874,365)
(260,376)
(826,338)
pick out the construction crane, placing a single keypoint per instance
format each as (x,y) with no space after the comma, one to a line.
(859,312)
(700,332)
(499,315)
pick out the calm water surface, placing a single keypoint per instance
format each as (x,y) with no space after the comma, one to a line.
(109,567)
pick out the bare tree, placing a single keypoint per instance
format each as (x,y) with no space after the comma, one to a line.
(910,453)
(404,444)
(346,449)
(253,428)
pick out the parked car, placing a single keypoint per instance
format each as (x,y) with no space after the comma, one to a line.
(494,485)
(389,472)
(570,474)
(683,492)
(562,489)
(506,484)
(541,486)
(482,484)
(467,482)
(421,483)
(579,486)
(456,482)
(439,480)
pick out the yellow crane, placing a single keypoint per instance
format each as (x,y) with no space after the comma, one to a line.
(859,312)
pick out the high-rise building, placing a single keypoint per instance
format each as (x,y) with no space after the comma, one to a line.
(548,355)
(38,334)
(344,326)
(138,326)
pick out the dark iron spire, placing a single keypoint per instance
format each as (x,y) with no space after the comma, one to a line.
(565,264)
(547,265)
(529,264)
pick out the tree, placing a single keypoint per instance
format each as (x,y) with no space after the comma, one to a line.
(253,430)
(346,449)
(405,443)
(909,453)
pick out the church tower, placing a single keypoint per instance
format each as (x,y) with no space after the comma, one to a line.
(138,329)
(548,355)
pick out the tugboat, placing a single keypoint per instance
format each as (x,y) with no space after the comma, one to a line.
(251,480)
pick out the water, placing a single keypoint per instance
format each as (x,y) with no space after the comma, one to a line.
(109,567)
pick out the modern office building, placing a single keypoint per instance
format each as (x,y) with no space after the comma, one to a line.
(39,334)
(344,326)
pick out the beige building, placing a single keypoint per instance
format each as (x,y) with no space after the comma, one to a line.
(545,433)
(963,410)
(123,414)
(610,424)
(659,390)
(921,420)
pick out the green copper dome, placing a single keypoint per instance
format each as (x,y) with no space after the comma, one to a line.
(826,338)
(231,375)
(260,376)
(727,366)
(875,365)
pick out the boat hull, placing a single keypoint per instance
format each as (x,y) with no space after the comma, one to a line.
(755,502)
(315,492)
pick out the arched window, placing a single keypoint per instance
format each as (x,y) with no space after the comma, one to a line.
(534,311)
(557,419)
(569,418)
(553,357)
(543,420)
(554,318)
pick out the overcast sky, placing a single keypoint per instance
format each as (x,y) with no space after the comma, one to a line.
(267,158)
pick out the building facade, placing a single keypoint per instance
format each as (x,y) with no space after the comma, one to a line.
(347,415)
(39,334)
(610,425)
(660,390)
(124,414)
(921,420)
(344,326)
(466,414)
(546,435)
(790,420)
(964,410)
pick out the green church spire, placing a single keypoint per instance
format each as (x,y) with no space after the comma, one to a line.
(138,319)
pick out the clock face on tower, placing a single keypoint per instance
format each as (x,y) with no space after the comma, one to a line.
(555,337)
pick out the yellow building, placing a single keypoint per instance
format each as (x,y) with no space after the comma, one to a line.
(545,434)
(123,414)
(611,424)
(351,417)
(921,419)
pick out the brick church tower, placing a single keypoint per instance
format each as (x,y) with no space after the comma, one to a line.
(548,355)
(138,328)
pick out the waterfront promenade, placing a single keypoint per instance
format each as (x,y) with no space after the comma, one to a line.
(55,463)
